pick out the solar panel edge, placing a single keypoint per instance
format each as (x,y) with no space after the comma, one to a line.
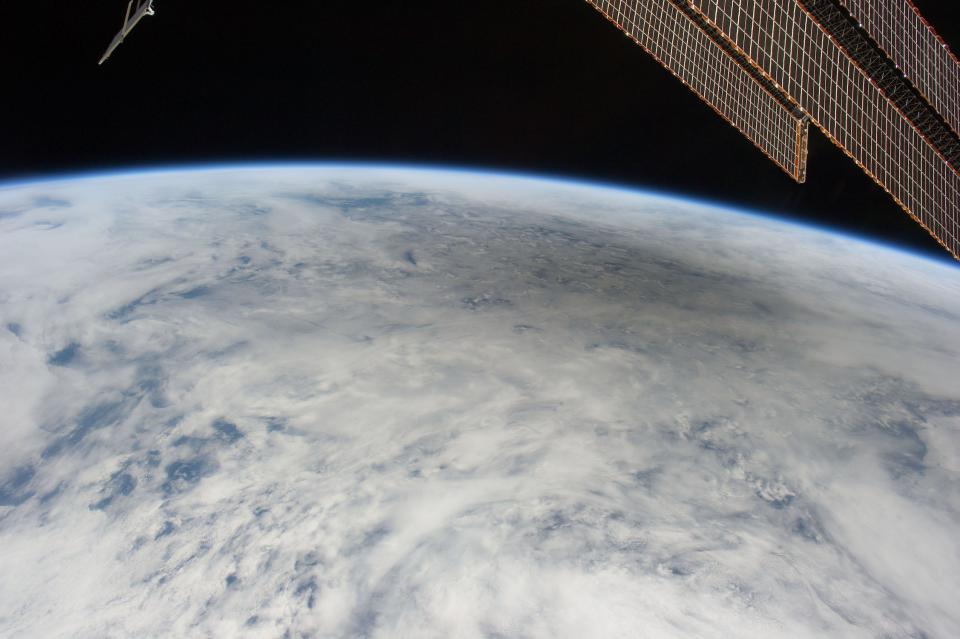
(933,32)
(795,124)
(953,248)
(802,144)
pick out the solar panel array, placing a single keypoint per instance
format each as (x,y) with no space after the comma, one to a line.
(915,47)
(795,55)
(785,42)
(692,55)
(867,55)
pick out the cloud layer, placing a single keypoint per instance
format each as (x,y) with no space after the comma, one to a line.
(356,402)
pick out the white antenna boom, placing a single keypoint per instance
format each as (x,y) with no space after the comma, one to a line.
(145,8)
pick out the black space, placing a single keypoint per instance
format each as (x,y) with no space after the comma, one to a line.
(539,86)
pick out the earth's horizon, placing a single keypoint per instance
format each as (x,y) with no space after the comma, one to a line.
(111,173)
(305,400)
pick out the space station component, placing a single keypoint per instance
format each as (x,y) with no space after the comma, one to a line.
(873,75)
(145,8)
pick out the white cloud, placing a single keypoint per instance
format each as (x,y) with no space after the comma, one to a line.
(574,412)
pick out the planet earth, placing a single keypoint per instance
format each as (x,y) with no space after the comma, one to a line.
(348,401)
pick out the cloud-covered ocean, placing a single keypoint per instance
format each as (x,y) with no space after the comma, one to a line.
(357,402)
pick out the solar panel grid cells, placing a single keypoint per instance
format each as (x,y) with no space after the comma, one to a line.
(661,28)
(846,105)
(913,45)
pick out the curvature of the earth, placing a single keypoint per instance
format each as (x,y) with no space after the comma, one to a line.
(346,402)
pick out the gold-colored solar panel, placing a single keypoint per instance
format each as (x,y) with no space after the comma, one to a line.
(914,46)
(692,55)
(782,40)
(769,65)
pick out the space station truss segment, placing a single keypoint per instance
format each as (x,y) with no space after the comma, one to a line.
(690,49)
(915,48)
